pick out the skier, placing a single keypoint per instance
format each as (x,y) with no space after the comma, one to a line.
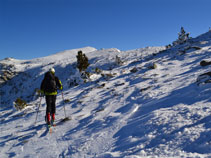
(49,87)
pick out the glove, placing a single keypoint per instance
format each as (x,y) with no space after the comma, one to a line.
(42,93)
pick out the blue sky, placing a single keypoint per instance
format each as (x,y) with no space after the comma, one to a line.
(37,28)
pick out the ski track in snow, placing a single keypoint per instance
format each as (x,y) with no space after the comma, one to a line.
(159,112)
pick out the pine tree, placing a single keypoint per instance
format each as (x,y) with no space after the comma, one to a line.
(82,61)
(182,37)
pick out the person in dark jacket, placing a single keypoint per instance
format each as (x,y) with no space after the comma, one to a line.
(49,86)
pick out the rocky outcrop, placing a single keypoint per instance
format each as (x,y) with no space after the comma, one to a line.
(7,72)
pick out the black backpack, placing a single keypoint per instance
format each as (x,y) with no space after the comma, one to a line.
(49,84)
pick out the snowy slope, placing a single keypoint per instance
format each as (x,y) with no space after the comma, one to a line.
(128,110)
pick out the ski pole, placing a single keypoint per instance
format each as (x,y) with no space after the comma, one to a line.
(64,105)
(38,109)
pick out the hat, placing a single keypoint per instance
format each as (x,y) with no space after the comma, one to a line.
(52,70)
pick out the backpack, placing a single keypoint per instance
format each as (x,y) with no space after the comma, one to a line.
(49,83)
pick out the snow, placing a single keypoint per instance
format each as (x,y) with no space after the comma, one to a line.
(149,112)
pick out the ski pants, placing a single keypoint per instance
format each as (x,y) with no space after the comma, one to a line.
(51,104)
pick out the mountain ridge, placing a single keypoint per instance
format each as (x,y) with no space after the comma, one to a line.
(151,104)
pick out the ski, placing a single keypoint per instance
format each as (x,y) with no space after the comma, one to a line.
(50,129)
(50,126)
(54,124)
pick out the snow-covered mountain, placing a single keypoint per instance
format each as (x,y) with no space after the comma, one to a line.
(148,102)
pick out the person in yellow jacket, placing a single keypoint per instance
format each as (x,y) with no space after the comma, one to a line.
(49,86)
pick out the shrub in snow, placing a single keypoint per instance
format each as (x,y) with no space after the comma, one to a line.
(153,66)
(107,76)
(97,70)
(82,61)
(118,61)
(20,104)
(168,46)
(86,76)
(182,37)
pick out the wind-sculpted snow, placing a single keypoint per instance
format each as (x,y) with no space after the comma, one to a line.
(151,105)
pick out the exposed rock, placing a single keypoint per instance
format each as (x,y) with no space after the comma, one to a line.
(134,70)
(205,63)
(204,78)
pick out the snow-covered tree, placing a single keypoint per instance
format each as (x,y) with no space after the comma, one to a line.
(182,37)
